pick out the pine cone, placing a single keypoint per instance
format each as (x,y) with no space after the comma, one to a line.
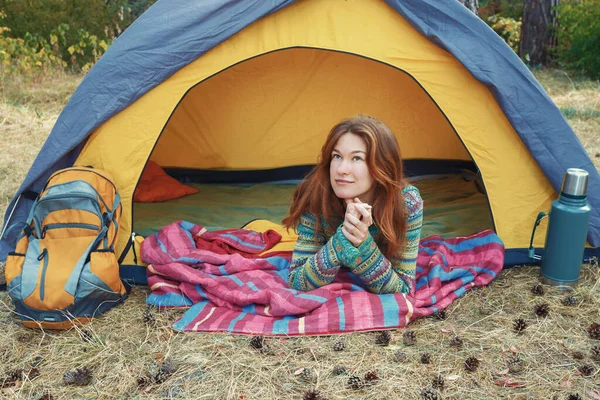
(142,381)
(32,374)
(456,341)
(586,369)
(542,309)
(441,315)
(78,377)
(383,338)
(538,290)
(355,382)
(429,394)
(515,364)
(12,378)
(596,353)
(160,373)
(307,375)
(438,382)
(578,355)
(339,346)
(149,317)
(313,394)
(400,356)
(574,397)
(594,331)
(570,301)
(425,358)
(86,335)
(519,325)
(371,377)
(409,338)
(257,342)
(471,364)
(339,370)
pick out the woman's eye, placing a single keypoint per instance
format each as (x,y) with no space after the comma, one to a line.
(336,156)
(357,158)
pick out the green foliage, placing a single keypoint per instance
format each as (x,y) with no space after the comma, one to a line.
(33,54)
(77,32)
(508,28)
(29,56)
(578,35)
(512,9)
(506,8)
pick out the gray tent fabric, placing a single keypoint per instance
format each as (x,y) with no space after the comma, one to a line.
(173,33)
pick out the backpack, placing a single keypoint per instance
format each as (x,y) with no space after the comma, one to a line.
(64,270)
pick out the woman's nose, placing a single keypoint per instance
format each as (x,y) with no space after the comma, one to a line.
(343,167)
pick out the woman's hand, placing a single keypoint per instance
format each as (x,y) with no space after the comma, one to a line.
(357,220)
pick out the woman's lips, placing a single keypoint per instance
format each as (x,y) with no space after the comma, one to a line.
(342,182)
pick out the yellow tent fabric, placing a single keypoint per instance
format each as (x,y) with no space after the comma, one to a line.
(266,97)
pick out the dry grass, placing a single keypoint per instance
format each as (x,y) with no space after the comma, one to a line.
(120,347)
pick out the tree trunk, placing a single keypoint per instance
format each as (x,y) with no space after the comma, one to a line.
(538,35)
(472,5)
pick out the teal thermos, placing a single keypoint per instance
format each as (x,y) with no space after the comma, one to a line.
(567,230)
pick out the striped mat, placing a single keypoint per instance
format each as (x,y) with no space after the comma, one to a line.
(231,283)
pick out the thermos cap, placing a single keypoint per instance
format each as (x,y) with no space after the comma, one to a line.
(575,182)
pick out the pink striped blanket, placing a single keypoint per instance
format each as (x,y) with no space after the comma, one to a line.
(236,291)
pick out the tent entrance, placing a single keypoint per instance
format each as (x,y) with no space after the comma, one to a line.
(265,119)
(275,110)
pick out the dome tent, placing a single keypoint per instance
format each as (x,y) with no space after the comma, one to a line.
(254,86)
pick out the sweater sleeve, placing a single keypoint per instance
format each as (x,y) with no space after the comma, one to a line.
(398,274)
(315,261)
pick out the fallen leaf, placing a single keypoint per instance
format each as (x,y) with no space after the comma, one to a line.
(593,394)
(452,377)
(445,331)
(566,383)
(514,349)
(509,383)
(298,371)
(504,372)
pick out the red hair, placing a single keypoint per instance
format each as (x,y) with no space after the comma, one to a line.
(315,194)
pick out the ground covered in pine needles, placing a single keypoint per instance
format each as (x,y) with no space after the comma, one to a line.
(514,339)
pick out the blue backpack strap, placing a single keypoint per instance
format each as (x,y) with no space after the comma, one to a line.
(107,218)
(31,267)
(71,285)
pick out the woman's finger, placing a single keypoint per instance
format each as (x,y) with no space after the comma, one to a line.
(355,231)
(351,209)
(360,225)
(365,212)
(350,237)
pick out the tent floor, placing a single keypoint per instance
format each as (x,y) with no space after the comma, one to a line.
(452,206)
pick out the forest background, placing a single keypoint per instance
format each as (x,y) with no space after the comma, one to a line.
(41,36)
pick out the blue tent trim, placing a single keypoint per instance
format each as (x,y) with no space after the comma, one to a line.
(173,33)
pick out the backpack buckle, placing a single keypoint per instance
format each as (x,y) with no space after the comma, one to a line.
(107,218)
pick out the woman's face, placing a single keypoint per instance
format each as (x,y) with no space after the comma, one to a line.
(348,171)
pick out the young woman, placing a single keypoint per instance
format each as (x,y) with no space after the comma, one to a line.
(355,210)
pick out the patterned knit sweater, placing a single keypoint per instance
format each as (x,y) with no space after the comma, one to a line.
(317,258)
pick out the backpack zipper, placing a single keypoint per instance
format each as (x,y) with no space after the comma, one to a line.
(43,256)
(69,225)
